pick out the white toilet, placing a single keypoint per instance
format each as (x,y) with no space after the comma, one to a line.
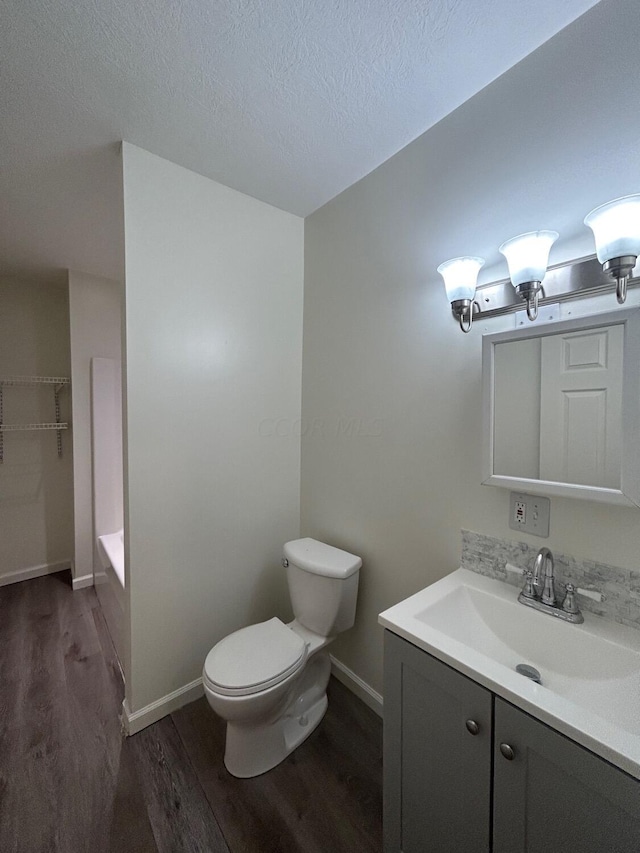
(269,681)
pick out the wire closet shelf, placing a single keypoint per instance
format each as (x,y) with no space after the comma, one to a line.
(57,383)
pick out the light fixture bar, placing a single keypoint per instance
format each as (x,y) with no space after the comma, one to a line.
(562,283)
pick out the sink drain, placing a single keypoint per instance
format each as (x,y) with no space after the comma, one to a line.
(529,671)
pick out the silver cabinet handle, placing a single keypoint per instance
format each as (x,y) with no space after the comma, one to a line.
(507,751)
(472,727)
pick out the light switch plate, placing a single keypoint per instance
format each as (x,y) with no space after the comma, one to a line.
(530,514)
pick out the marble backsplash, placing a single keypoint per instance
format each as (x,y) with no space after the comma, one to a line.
(620,587)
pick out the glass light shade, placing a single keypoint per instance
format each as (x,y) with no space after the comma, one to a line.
(528,255)
(616,228)
(460,277)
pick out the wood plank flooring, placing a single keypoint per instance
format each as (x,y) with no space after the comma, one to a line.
(70,782)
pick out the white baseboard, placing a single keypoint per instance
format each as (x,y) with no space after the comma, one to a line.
(138,720)
(356,685)
(82,581)
(35,572)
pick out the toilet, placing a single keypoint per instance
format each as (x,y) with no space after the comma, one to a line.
(269,680)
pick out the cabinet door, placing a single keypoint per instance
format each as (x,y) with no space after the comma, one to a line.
(555,796)
(437,776)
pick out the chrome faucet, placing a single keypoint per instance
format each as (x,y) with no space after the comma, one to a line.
(543,577)
(539,590)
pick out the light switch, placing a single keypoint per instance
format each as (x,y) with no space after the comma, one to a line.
(529,513)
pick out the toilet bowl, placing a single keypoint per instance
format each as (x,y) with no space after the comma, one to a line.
(269,680)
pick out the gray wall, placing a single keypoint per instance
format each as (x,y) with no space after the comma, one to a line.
(213,306)
(36,487)
(391,387)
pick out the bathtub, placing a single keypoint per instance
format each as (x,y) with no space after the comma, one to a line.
(111,548)
(110,585)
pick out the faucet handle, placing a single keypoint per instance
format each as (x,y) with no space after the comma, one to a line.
(529,590)
(570,605)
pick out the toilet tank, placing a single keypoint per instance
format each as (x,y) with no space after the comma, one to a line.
(323,585)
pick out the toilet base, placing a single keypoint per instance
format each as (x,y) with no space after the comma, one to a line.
(252,750)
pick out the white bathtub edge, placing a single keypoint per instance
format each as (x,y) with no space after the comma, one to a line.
(111,553)
(134,722)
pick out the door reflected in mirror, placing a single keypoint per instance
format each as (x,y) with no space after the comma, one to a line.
(561,408)
(558,407)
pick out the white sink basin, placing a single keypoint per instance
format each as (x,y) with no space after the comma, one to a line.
(590,673)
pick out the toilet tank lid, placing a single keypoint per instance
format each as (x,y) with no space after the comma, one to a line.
(321,559)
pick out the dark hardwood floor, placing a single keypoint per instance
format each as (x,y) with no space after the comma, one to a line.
(71,783)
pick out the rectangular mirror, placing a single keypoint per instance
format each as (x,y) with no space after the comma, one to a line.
(561,408)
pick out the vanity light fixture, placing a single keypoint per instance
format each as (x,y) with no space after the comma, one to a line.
(460,277)
(527,257)
(616,228)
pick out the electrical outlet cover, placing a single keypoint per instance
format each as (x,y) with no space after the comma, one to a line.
(529,514)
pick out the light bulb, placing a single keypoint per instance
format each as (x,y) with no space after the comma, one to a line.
(616,228)
(528,255)
(460,277)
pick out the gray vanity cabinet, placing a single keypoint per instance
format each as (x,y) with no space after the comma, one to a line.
(437,785)
(554,796)
(466,772)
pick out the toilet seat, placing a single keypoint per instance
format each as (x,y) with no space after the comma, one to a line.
(254,658)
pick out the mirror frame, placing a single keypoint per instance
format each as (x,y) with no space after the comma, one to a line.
(629,492)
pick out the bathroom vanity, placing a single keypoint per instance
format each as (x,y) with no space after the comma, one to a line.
(479,758)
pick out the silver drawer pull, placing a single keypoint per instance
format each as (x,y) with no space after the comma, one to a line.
(472,727)
(507,751)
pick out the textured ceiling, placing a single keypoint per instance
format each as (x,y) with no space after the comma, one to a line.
(290,101)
